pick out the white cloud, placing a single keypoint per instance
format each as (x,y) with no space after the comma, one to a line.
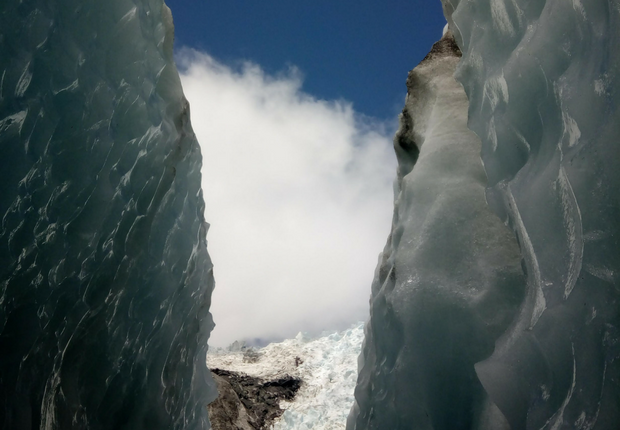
(298,193)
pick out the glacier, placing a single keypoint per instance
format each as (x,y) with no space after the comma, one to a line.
(495,301)
(449,280)
(105,281)
(326,366)
(542,79)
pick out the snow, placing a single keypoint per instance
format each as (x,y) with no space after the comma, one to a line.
(328,370)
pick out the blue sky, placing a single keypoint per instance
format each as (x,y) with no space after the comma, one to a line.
(359,50)
(295,105)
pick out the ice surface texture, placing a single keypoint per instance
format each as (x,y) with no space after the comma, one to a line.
(105,278)
(543,81)
(449,280)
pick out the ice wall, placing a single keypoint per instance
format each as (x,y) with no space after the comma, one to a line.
(543,80)
(105,280)
(449,280)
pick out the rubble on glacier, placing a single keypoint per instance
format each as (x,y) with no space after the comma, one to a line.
(248,402)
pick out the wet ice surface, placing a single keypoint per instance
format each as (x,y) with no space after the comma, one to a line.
(449,280)
(542,78)
(326,365)
(105,280)
(542,81)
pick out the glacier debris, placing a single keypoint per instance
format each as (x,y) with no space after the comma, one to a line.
(246,402)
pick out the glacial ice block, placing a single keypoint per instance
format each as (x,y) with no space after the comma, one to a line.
(543,81)
(449,281)
(105,280)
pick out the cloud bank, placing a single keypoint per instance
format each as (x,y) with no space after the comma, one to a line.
(299,196)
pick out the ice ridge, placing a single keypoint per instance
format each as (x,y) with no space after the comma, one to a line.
(449,281)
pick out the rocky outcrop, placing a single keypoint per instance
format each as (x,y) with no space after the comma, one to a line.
(249,403)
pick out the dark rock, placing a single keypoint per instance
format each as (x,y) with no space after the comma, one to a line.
(246,402)
(227,412)
(446,47)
